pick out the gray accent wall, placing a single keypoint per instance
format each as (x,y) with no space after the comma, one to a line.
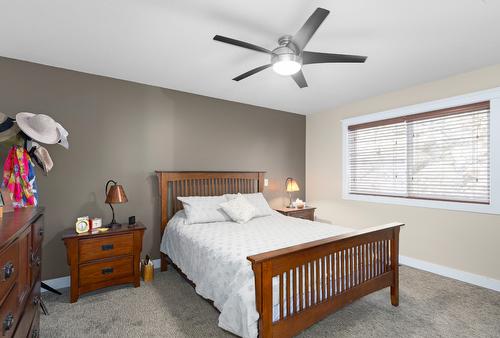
(125,131)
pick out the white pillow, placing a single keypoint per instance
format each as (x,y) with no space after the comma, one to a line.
(239,209)
(257,200)
(204,209)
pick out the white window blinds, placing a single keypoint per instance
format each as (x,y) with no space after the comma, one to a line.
(439,155)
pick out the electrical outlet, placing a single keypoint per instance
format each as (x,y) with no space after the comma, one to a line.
(266,182)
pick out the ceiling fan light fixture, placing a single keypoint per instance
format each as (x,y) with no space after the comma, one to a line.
(286,64)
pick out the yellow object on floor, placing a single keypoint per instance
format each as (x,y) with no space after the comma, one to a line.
(148,272)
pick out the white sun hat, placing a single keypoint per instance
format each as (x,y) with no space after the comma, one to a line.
(64,136)
(39,127)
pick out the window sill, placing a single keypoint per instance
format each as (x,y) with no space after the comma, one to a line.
(457,206)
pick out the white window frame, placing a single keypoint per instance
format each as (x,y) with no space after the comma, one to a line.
(492,95)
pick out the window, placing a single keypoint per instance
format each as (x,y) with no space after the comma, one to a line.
(436,158)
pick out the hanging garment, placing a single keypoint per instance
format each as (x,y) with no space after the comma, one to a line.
(19,177)
(41,157)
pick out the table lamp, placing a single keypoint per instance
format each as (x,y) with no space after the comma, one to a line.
(115,195)
(291,186)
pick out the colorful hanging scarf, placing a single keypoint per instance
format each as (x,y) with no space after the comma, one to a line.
(19,177)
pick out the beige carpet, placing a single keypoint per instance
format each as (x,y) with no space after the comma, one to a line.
(430,306)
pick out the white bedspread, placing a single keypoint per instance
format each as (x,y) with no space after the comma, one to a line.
(214,257)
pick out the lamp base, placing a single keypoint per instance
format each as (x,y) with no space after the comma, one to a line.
(112,224)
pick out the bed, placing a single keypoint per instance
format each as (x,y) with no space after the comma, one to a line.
(275,275)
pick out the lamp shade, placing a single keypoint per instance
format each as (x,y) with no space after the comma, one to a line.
(291,185)
(116,195)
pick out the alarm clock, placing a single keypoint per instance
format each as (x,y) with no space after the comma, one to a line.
(82,225)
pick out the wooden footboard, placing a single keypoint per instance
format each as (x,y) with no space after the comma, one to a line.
(314,279)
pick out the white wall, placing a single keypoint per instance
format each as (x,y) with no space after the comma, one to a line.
(459,240)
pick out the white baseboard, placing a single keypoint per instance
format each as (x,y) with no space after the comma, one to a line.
(63,282)
(471,278)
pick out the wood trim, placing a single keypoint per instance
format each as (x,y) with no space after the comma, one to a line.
(420,198)
(314,244)
(423,116)
(201,183)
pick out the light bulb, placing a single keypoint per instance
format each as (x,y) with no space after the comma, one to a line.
(286,63)
(286,67)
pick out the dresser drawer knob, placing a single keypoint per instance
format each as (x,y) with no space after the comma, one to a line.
(8,270)
(106,271)
(35,334)
(106,247)
(8,322)
(36,300)
(41,231)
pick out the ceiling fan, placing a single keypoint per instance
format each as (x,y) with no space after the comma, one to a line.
(289,57)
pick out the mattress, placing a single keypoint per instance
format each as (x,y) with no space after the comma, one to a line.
(214,257)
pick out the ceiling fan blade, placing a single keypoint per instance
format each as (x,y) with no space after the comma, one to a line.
(251,72)
(313,57)
(300,79)
(302,37)
(241,44)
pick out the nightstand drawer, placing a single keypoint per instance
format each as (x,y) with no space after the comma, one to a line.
(106,270)
(105,247)
(305,214)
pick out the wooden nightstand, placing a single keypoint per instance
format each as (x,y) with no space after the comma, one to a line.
(305,213)
(103,259)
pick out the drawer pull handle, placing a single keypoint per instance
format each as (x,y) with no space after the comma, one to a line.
(8,270)
(8,322)
(35,259)
(106,271)
(34,334)
(41,231)
(106,247)
(36,300)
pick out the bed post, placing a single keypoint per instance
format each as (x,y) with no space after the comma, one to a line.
(163,184)
(264,297)
(261,181)
(395,267)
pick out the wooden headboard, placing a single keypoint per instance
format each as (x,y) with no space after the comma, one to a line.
(203,183)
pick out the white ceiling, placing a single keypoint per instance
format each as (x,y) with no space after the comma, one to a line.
(168,43)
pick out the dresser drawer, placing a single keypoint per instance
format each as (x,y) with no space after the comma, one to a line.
(105,247)
(37,229)
(106,270)
(9,313)
(30,312)
(35,326)
(9,268)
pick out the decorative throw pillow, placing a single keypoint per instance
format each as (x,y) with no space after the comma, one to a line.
(239,209)
(204,209)
(257,200)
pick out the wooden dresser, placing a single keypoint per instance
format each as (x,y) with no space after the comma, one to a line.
(21,234)
(99,260)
